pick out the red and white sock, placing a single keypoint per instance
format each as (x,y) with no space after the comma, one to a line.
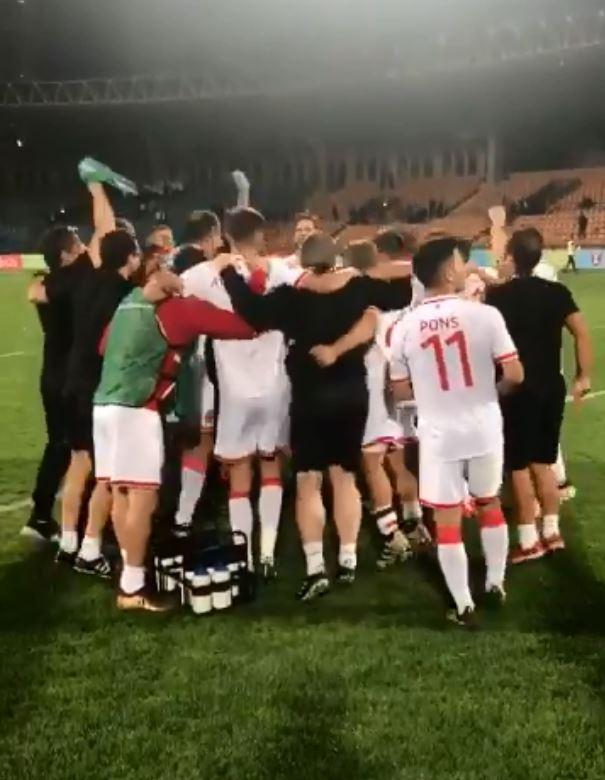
(386,520)
(454,565)
(193,476)
(494,540)
(269,510)
(240,517)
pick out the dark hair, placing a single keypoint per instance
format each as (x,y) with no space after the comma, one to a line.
(318,252)
(464,247)
(431,256)
(306,215)
(199,226)
(395,244)
(56,241)
(242,223)
(525,247)
(116,248)
(360,255)
(126,225)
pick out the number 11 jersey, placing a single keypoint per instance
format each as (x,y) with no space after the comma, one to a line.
(448,348)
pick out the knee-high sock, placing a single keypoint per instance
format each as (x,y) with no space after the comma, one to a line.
(240,517)
(454,565)
(494,540)
(269,510)
(193,476)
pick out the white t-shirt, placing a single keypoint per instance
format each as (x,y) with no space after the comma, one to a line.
(245,369)
(448,347)
(546,271)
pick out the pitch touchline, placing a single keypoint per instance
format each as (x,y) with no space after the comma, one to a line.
(5,508)
(597,394)
(12,354)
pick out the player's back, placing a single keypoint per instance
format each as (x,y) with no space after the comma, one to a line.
(451,347)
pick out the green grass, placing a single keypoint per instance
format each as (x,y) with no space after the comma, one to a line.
(366,684)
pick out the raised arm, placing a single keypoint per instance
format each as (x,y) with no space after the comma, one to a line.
(103,219)
(361,333)
(576,325)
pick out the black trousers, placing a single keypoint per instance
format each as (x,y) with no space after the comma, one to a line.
(55,458)
(571,263)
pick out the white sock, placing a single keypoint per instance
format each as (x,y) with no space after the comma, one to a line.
(412,510)
(559,469)
(528,535)
(386,520)
(132,579)
(494,541)
(347,556)
(550,526)
(90,549)
(69,541)
(240,517)
(269,510)
(454,565)
(314,553)
(193,476)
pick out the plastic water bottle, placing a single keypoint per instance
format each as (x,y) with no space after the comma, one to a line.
(168,582)
(201,593)
(234,574)
(221,589)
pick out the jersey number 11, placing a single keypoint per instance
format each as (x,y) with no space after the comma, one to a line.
(458,340)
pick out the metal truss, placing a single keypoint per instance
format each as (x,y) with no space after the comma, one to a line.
(501,43)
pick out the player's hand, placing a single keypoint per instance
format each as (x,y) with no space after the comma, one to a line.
(325,355)
(161,285)
(36,292)
(580,388)
(226,260)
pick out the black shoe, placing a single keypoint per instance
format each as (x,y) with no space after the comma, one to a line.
(465,619)
(99,567)
(396,548)
(268,570)
(313,587)
(495,597)
(345,575)
(41,529)
(146,600)
(65,558)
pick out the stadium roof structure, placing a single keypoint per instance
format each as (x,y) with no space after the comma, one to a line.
(389,54)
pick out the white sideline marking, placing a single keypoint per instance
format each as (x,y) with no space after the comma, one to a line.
(12,354)
(598,394)
(5,508)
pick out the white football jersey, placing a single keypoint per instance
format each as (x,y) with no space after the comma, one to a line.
(251,368)
(448,348)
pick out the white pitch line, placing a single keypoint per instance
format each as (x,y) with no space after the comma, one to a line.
(15,506)
(12,354)
(588,397)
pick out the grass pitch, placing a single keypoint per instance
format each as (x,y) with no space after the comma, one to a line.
(368,683)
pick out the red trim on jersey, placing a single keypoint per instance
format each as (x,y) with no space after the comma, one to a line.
(257,281)
(299,279)
(237,494)
(192,463)
(449,534)
(507,358)
(103,479)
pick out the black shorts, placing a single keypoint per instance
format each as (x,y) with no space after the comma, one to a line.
(79,424)
(532,426)
(328,431)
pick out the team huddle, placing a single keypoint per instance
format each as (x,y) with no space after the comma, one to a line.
(433,379)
